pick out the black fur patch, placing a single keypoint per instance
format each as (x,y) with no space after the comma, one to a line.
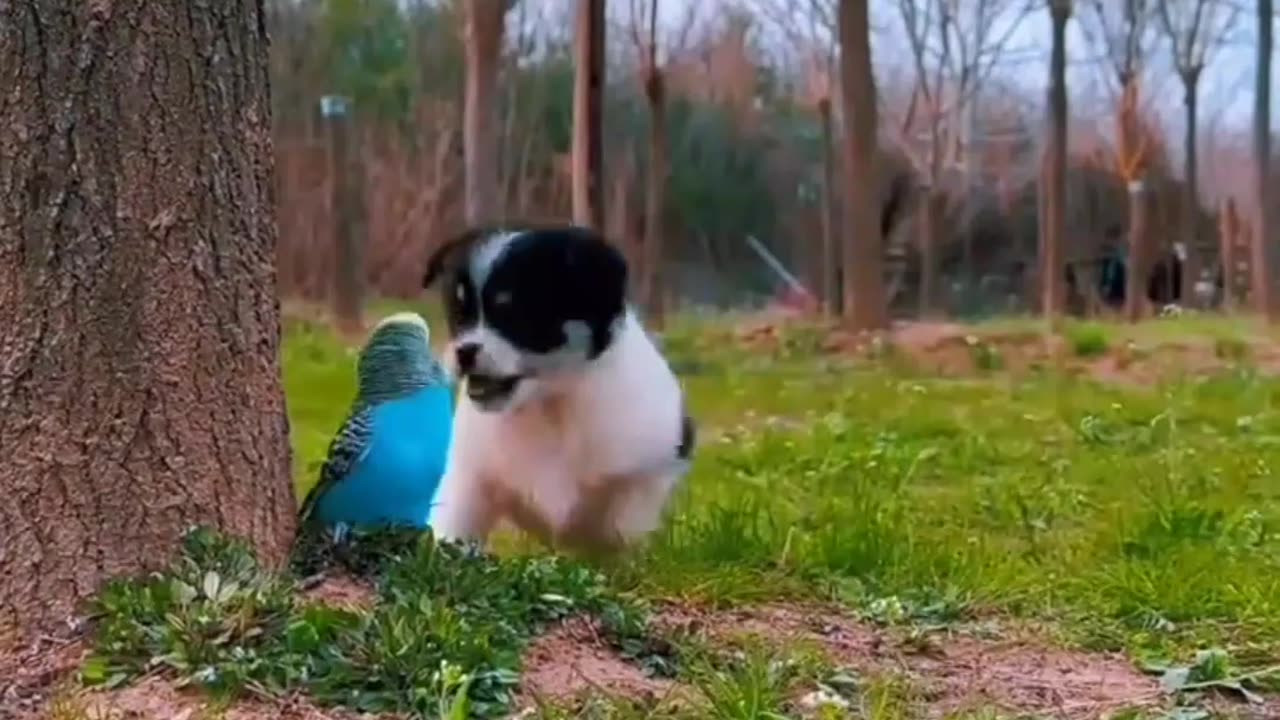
(688,437)
(546,277)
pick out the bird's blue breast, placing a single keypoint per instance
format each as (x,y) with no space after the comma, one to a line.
(396,480)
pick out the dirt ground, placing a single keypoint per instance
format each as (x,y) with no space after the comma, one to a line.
(949,672)
(954,350)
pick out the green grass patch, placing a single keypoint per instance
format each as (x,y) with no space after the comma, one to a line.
(1087,340)
(445,636)
(1146,520)
(1133,518)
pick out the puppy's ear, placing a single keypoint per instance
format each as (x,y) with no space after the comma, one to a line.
(609,272)
(449,254)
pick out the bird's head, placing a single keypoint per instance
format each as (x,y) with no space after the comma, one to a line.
(397,357)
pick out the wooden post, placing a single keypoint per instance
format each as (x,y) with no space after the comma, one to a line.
(830,248)
(1138,270)
(345,185)
(588,116)
(1228,230)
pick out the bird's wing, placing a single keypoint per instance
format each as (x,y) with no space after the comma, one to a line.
(348,447)
(438,374)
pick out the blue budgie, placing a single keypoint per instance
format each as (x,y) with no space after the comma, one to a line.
(386,461)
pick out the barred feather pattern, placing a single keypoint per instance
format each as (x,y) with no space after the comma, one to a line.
(395,362)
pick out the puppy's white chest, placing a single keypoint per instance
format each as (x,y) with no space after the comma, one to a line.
(546,462)
(589,459)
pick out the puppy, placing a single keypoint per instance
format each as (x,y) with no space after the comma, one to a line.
(573,426)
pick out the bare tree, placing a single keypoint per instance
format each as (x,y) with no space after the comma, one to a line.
(644,28)
(483,25)
(1126,31)
(1266,252)
(830,248)
(1194,29)
(588,92)
(954,54)
(1055,174)
(809,29)
(819,71)
(346,189)
(140,391)
(864,299)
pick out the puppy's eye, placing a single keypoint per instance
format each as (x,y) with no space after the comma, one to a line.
(461,292)
(502,299)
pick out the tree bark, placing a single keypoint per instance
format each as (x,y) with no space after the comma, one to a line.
(931,218)
(1190,192)
(1051,283)
(139,371)
(1138,271)
(483,24)
(1228,237)
(1266,252)
(655,194)
(347,188)
(588,140)
(864,301)
(830,263)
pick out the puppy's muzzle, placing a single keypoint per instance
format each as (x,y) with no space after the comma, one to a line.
(482,387)
(466,355)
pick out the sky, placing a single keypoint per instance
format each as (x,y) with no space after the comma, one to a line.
(1226,95)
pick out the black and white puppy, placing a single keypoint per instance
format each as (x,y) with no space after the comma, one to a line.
(573,426)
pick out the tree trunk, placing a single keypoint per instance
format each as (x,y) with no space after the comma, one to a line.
(931,214)
(344,176)
(1190,193)
(484,25)
(830,262)
(588,89)
(1228,237)
(655,190)
(140,390)
(1138,270)
(864,301)
(1051,282)
(1266,252)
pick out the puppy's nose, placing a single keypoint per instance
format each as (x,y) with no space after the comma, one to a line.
(466,354)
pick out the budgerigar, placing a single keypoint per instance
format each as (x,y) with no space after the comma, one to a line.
(385,463)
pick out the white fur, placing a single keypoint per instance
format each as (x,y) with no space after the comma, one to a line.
(608,428)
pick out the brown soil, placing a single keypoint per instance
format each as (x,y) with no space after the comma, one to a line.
(951,673)
(572,660)
(31,675)
(954,350)
(156,699)
(341,591)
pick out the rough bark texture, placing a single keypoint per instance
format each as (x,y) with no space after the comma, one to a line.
(1056,174)
(484,24)
(347,187)
(1190,190)
(864,300)
(588,128)
(830,248)
(139,373)
(1266,253)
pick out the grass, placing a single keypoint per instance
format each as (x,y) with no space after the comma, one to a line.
(1119,518)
